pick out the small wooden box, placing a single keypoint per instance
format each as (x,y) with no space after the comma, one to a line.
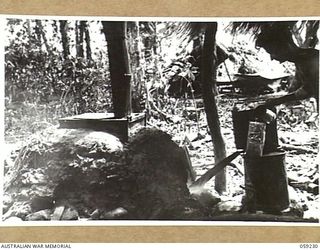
(119,127)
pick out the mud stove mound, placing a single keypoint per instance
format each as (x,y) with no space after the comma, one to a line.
(72,174)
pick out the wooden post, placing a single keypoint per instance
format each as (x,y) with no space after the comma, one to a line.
(115,33)
(208,81)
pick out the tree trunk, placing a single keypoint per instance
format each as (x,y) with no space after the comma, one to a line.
(55,27)
(115,33)
(133,50)
(137,74)
(38,34)
(28,27)
(42,35)
(77,71)
(64,38)
(88,45)
(79,30)
(208,81)
(80,50)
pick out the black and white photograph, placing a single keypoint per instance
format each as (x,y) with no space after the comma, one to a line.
(177,120)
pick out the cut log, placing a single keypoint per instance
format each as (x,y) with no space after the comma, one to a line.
(309,186)
(299,149)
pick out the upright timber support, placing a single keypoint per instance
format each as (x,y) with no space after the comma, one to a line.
(115,33)
(208,81)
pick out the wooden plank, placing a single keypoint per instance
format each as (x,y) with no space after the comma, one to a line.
(105,122)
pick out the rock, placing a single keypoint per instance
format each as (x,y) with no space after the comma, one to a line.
(40,215)
(117,213)
(228,206)
(65,212)
(70,214)
(13,219)
(205,197)
(58,212)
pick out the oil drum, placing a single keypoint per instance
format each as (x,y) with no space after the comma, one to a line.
(266,182)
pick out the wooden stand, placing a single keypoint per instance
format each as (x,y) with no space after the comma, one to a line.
(119,127)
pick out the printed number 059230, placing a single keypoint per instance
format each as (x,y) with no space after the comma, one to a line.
(309,246)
